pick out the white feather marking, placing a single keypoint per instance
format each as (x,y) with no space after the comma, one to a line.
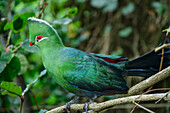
(41,21)
(42,39)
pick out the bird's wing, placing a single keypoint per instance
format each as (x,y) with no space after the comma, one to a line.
(91,72)
(110,59)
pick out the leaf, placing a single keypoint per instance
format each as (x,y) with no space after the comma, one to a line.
(98,3)
(108,5)
(2,25)
(51,100)
(26,15)
(118,52)
(5,59)
(11,88)
(125,32)
(128,9)
(80,1)
(8,93)
(19,22)
(28,48)
(28,1)
(159,7)
(8,26)
(23,62)
(111,5)
(11,70)
(63,21)
(73,11)
(43,111)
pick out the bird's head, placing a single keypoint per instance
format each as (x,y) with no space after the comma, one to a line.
(41,32)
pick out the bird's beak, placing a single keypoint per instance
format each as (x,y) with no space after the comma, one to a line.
(30,44)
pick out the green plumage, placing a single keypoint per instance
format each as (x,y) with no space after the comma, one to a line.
(88,74)
(76,71)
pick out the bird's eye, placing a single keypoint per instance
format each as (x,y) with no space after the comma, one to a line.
(39,37)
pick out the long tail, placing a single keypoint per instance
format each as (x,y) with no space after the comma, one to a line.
(149,63)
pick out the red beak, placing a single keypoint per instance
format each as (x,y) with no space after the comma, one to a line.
(30,44)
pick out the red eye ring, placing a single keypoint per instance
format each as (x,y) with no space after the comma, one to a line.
(39,37)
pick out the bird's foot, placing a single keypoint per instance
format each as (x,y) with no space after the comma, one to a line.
(86,106)
(67,107)
(68,104)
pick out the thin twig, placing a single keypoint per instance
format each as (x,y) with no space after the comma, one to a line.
(149,90)
(17,48)
(162,97)
(150,81)
(162,46)
(22,101)
(42,7)
(33,95)
(146,109)
(9,38)
(32,83)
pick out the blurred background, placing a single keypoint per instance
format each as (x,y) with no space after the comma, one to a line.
(116,27)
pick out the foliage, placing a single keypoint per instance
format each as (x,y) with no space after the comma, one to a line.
(11,89)
(90,25)
(18,22)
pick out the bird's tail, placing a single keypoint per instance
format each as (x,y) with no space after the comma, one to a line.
(149,63)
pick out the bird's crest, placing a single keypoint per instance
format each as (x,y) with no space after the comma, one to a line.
(39,27)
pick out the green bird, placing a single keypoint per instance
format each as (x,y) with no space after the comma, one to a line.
(88,74)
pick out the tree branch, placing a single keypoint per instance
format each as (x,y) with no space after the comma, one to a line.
(133,90)
(150,81)
(111,103)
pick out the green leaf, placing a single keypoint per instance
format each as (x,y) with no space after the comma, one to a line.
(111,5)
(80,1)
(28,48)
(98,3)
(63,21)
(108,5)
(8,26)
(23,62)
(5,59)
(128,9)
(19,22)
(11,88)
(51,100)
(73,11)
(8,93)
(2,25)
(26,15)
(43,111)
(159,7)
(118,52)
(11,70)
(28,1)
(125,32)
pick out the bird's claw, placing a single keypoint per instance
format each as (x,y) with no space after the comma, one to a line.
(68,104)
(86,106)
(67,107)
